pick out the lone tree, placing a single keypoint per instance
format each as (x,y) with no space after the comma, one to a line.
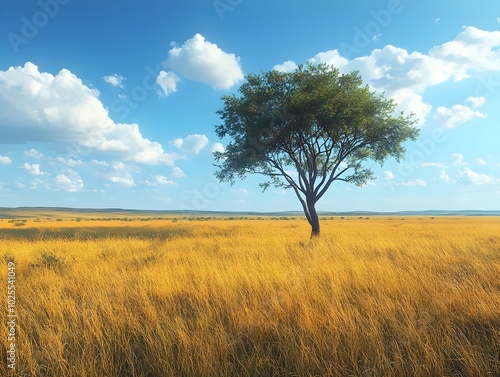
(306,129)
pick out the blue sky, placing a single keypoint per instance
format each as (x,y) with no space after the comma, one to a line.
(113,103)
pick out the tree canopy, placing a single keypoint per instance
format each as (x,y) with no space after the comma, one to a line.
(306,129)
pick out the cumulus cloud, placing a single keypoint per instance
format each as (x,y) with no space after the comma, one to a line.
(203,61)
(467,176)
(401,75)
(288,66)
(125,180)
(331,57)
(388,175)
(476,101)
(68,161)
(167,82)
(404,76)
(217,147)
(457,159)
(99,163)
(438,165)
(120,174)
(33,169)
(38,106)
(70,182)
(472,50)
(33,153)
(417,182)
(192,143)
(5,160)
(115,80)
(479,161)
(457,114)
(178,172)
(161,180)
(445,177)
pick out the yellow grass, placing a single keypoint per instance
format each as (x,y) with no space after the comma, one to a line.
(371,297)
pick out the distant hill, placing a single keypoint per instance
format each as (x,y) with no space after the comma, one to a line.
(62,212)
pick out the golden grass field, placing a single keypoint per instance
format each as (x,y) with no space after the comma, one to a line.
(407,296)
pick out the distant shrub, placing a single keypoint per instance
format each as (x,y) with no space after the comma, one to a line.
(8,257)
(51,261)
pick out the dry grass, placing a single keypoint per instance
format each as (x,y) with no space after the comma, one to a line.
(377,297)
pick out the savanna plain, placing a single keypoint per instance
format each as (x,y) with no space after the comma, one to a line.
(218,296)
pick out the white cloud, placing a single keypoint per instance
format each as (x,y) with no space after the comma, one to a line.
(388,175)
(120,173)
(457,114)
(125,180)
(288,66)
(161,180)
(115,80)
(404,76)
(445,177)
(71,182)
(457,159)
(33,169)
(438,165)
(192,143)
(33,153)
(37,106)
(200,60)
(467,176)
(5,160)
(331,57)
(68,162)
(177,172)
(472,50)
(167,82)
(217,147)
(417,182)
(37,183)
(476,101)
(99,163)
(479,161)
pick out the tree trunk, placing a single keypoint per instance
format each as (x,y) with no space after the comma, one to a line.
(314,220)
